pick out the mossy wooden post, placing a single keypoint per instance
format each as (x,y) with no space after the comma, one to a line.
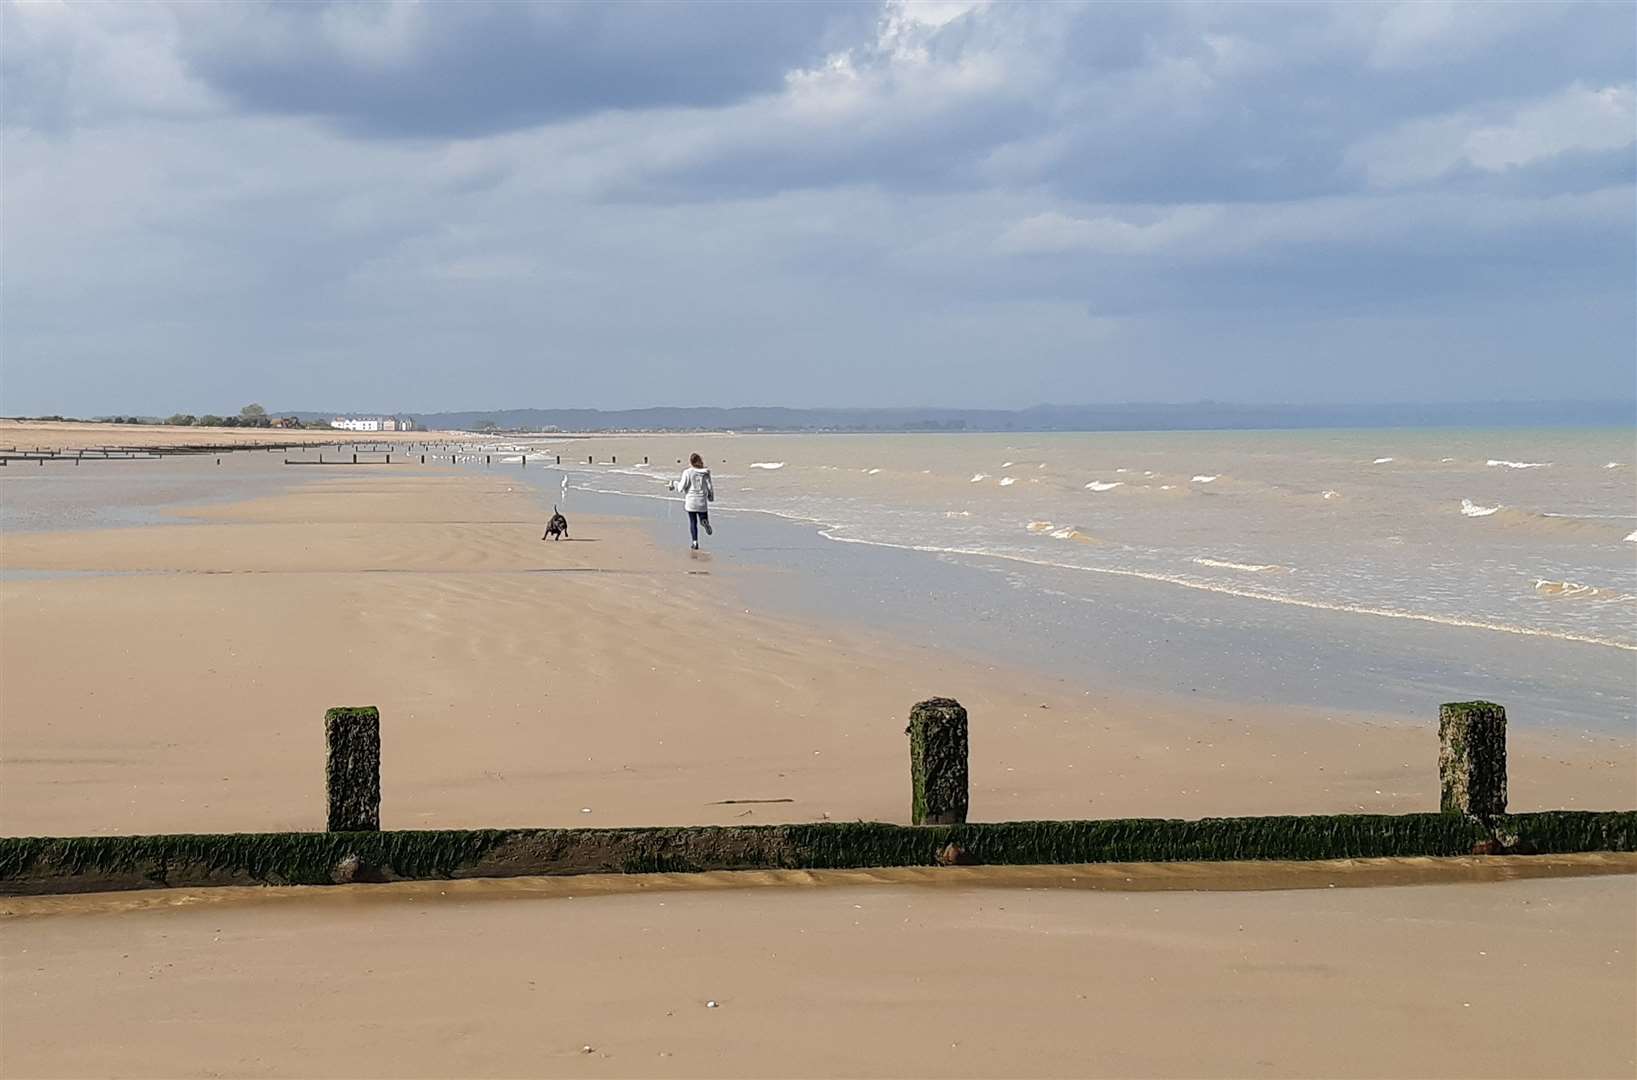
(937,762)
(1472,758)
(352,768)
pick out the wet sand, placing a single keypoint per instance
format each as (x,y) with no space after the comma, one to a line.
(1515,979)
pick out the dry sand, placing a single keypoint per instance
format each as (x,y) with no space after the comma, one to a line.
(608,682)
(67,435)
(1526,978)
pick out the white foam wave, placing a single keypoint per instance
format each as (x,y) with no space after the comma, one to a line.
(1496,462)
(1254,568)
(871,472)
(830,533)
(957,513)
(1202,479)
(1575,590)
(1632,539)
(1039,526)
(1007,481)
(1472,509)
(979,477)
(1006,464)
(1332,494)
(767,464)
(1104,485)
(1381,461)
(1614,465)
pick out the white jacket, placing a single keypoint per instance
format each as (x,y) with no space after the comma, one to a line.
(696,489)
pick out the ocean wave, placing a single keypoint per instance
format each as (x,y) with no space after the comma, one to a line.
(979,477)
(1040,526)
(1575,590)
(1331,494)
(1224,564)
(1069,532)
(1631,539)
(831,533)
(871,472)
(1203,479)
(1007,481)
(1100,485)
(767,464)
(957,513)
(1472,509)
(1614,465)
(1495,462)
(1381,461)
(1006,464)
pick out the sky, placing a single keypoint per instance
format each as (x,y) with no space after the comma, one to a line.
(424,206)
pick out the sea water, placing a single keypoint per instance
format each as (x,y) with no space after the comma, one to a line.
(1522,532)
(1380,571)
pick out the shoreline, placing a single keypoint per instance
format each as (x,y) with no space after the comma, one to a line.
(606,681)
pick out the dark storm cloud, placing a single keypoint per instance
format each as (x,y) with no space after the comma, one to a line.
(464,69)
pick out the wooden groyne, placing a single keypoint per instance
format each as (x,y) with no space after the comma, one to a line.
(1473,821)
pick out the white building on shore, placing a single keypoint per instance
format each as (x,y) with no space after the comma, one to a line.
(372,423)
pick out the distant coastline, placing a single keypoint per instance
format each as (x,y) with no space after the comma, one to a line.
(1192,416)
(1197,416)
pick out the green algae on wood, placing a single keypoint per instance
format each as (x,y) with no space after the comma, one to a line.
(1472,758)
(938,762)
(103,863)
(352,768)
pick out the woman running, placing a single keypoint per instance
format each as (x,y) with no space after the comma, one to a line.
(697,495)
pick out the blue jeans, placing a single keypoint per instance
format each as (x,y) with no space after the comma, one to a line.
(694,518)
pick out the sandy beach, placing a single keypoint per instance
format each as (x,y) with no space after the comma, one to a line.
(1516,979)
(601,681)
(173,678)
(76,435)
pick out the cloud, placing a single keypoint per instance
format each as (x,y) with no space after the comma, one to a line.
(403,69)
(1053,231)
(444,204)
(1574,120)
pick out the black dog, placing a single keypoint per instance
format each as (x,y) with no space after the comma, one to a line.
(557,527)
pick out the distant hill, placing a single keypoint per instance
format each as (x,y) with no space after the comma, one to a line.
(1198,416)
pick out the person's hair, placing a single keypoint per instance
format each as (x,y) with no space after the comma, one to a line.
(696,461)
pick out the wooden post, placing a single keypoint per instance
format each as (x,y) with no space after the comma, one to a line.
(355,457)
(352,768)
(937,762)
(1472,758)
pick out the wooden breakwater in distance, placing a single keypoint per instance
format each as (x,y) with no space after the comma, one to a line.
(1471,822)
